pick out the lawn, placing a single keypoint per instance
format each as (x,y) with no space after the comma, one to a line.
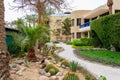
(105,57)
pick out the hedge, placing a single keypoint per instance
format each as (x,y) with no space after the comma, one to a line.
(106,30)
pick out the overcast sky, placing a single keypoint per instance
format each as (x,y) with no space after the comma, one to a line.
(75,5)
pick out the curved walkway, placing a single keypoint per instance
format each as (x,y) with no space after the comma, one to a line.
(94,68)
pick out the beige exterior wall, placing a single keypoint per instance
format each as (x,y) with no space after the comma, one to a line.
(75,28)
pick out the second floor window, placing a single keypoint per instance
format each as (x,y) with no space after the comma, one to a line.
(78,21)
(72,22)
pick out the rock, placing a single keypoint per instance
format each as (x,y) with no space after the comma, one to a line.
(19,62)
(58,65)
(42,72)
(59,74)
(43,78)
(19,72)
(63,66)
(13,72)
(48,74)
(54,78)
(67,68)
(12,66)
(112,48)
(46,61)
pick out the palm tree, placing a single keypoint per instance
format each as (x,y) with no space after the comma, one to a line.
(4,55)
(29,36)
(66,27)
(40,6)
(110,4)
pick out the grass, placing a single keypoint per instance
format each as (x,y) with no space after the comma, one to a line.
(81,47)
(105,56)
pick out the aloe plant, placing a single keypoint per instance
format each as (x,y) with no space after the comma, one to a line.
(73,66)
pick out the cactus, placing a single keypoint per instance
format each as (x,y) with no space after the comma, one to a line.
(71,76)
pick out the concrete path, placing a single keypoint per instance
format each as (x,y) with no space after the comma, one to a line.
(96,69)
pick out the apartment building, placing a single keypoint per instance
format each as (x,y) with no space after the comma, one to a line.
(81,20)
(84,18)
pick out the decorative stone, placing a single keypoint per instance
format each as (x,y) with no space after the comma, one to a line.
(19,72)
(20,62)
(63,66)
(43,78)
(13,72)
(54,78)
(42,72)
(48,74)
(59,74)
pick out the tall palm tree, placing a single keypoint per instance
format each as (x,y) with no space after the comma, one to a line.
(110,4)
(4,55)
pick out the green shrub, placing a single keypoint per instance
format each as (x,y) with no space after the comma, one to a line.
(82,47)
(83,42)
(87,77)
(65,63)
(50,66)
(14,49)
(69,43)
(102,78)
(52,71)
(73,66)
(107,30)
(71,76)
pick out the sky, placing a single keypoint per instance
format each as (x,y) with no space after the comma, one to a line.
(11,15)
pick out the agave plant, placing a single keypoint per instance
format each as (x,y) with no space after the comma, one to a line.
(73,66)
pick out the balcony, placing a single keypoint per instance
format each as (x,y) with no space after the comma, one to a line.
(85,25)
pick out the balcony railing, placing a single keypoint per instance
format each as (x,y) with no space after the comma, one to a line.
(85,25)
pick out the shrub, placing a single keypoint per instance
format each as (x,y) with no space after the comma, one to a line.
(69,43)
(14,49)
(73,66)
(50,66)
(71,76)
(107,30)
(102,78)
(52,71)
(65,63)
(83,42)
(87,77)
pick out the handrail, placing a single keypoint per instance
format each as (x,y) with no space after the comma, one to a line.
(85,25)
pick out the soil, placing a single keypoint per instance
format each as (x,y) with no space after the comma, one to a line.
(32,72)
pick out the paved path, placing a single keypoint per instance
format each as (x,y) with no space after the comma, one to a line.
(96,69)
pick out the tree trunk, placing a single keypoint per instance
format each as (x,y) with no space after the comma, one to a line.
(110,4)
(4,55)
(39,7)
(31,54)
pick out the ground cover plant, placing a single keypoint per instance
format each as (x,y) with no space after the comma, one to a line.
(102,56)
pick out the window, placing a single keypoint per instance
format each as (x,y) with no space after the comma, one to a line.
(104,14)
(116,11)
(94,18)
(78,21)
(72,35)
(72,22)
(86,20)
(78,35)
